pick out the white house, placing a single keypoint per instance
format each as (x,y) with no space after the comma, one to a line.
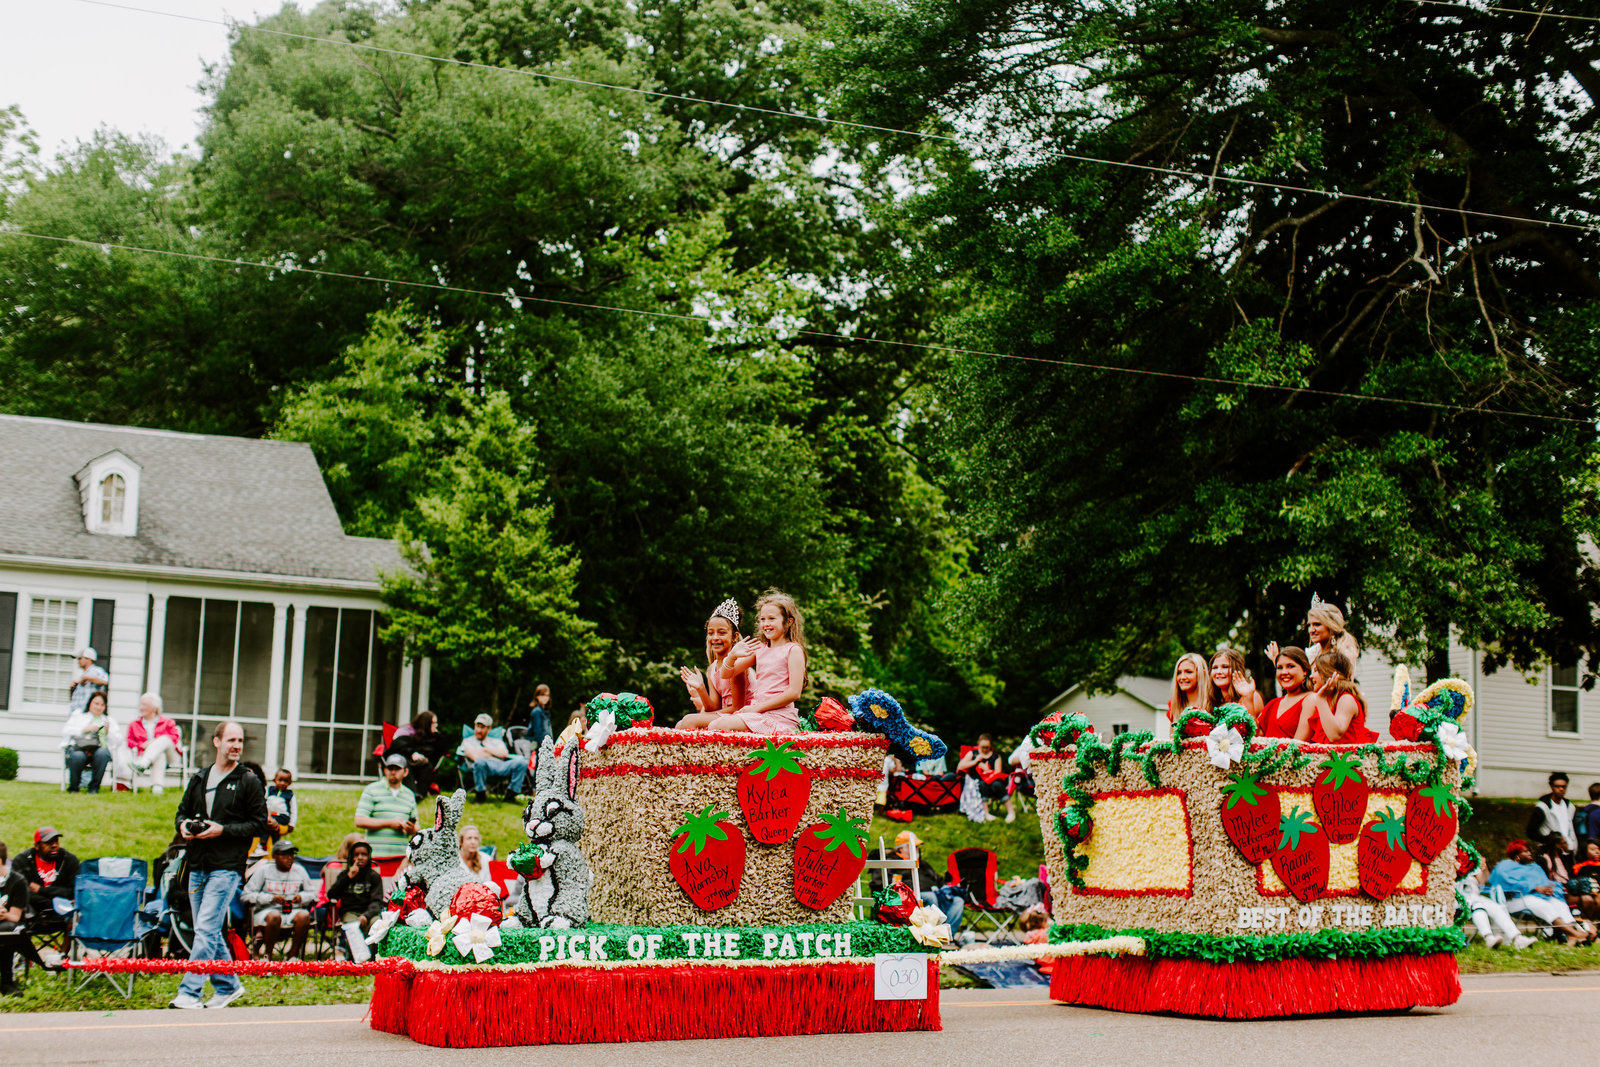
(213,570)
(1522,727)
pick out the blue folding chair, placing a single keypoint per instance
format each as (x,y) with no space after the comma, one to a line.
(107,920)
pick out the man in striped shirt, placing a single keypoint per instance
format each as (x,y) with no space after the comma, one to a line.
(387,811)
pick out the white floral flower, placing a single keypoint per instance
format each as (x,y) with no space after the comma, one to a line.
(929,928)
(380,927)
(600,732)
(1224,745)
(1453,740)
(477,937)
(438,934)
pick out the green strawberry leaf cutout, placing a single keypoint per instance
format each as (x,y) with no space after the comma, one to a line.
(700,827)
(1391,826)
(1294,824)
(1341,769)
(1243,787)
(774,759)
(842,830)
(1443,802)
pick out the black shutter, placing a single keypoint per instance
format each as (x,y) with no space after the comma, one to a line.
(100,632)
(8,632)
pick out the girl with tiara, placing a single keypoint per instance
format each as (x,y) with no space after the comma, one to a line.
(1326,627)
(715,694)
(779,659)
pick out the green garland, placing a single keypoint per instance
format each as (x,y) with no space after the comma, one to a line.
(1229,948)
(867,939)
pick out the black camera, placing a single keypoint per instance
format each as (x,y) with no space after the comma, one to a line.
(195,827)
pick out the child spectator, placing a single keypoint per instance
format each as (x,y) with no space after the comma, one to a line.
(274,890)
(288,807)
(779,659)
(357,893)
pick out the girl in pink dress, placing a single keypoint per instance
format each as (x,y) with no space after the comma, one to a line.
(715,694)
(779,658)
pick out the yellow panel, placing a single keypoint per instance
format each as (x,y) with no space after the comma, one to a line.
(1342,876)
(1140,844)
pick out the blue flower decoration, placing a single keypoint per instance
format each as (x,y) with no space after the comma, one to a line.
(876,712)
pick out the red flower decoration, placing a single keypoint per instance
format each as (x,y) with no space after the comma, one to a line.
(475,898)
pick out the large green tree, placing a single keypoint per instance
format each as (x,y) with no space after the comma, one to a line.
(1120,513)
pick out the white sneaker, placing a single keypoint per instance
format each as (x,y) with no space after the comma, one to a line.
(184,1000)
(222,1000)
(1492,940)
(142,766)
(50,956)
(1522,942)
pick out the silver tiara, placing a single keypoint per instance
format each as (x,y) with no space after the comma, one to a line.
(728,609)
(1316,601)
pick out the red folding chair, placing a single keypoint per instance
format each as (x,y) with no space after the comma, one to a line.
(503,876)
(974,870)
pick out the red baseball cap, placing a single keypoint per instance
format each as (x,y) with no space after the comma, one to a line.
(45,833)
(1515,845)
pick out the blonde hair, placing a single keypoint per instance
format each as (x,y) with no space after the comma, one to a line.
(461,836)
(1178,703)
(1340,639)
(795,623)
(1236,662)
(1337,666)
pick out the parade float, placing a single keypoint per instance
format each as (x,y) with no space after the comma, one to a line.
(677,884)
(1264,877)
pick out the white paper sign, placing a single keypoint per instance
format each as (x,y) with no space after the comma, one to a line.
(356,942)
(900,976)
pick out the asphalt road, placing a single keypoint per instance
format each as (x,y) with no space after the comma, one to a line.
(1500,1019)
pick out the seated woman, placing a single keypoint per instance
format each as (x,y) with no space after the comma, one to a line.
(1231,685)
(90,739)
(985,763)
(1335,714)
(1191,687)
(422,745)
(470,842)
(1282,714)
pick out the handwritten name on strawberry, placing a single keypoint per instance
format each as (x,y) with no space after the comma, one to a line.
(1318,916)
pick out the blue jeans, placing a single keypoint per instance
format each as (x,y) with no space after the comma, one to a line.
(210,894)
(950,903)
(484,769)
(78,759)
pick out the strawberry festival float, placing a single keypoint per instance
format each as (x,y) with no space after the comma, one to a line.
(678,884)
(1263,877)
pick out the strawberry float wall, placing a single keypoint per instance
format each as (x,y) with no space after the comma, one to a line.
(1265,877)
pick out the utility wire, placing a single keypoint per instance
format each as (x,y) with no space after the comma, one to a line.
(1508,10)
(705,321)
(1193,175)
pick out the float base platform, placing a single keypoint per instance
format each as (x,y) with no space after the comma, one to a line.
(459,1007)
(1246,989)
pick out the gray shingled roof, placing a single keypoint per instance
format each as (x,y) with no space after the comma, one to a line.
(211,503)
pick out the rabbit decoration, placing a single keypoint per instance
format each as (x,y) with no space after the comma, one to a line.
(556,877)
(435,858)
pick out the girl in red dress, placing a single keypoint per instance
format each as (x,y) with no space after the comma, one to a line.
(1281,717)
(1337,715)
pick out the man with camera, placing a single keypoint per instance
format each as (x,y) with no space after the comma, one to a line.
(222,810)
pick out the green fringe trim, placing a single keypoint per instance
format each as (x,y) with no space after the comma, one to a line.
(1322,945)
(867,939)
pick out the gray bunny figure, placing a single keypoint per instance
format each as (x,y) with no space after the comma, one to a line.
(556,877)
(435,857)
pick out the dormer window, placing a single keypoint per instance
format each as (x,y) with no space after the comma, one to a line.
(109,487)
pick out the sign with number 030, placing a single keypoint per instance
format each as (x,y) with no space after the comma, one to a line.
(900,976)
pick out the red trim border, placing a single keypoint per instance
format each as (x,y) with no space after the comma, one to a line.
(1188,830)
(674,770)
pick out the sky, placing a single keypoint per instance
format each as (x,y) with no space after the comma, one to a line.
(73,67)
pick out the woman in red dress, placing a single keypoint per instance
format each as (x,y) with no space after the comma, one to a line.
(1231,685)
(1281,717)
(1338,715)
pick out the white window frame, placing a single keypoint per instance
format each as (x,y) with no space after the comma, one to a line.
(91,487)
(1550,690)
(24,642)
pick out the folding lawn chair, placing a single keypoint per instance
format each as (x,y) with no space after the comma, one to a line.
(108,896)
(924,794)
(974,870)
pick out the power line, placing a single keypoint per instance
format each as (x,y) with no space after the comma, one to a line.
(1509,10)
(1192,175)
(820,334)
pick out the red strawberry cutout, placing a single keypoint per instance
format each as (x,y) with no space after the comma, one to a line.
(1381,857)
(1251,816)
(707,858)
(828,858)
(1301,861)
(1340,798)
(774,791)
(1430,822)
